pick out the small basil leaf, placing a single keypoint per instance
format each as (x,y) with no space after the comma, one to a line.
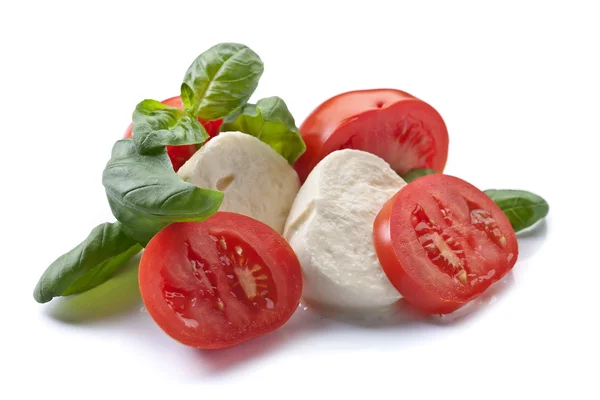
(417,173)
(145,194)
(156,125)
(220,81)
(522,208)
(91,263)
(270,121)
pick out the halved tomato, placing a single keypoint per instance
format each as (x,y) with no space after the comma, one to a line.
(180,154)
(217,283)
(403,130)
(442,242)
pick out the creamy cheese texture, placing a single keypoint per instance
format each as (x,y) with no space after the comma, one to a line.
(256,180)
(330,227)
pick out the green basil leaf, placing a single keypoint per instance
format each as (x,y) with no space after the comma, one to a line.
(91,263)
(270,121)
(220,81)
(522,208)
(145,194)
(417,173)
(156,125)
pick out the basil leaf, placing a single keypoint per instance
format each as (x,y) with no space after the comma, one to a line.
(89,264)
(145,194)
(417,173)
(522,208)
(220,80)
(270,121)
(156,125)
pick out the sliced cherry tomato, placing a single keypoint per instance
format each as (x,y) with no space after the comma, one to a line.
(180,154)
(403,130)
(217,283)
(442,242)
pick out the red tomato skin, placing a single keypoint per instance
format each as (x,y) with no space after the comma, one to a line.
(327,128)
(180,154)
(396,251)
(274,250)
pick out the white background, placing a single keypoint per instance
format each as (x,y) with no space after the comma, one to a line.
(517,84)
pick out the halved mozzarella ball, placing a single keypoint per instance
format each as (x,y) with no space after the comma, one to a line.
(330,227)
(256,180)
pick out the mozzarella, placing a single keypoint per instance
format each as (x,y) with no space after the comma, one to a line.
(330,227)
(257,181)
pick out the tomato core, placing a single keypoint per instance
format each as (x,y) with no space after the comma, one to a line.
(247,279)
(441,248)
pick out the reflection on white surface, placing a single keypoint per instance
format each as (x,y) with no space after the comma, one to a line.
(112,299)
(113,314)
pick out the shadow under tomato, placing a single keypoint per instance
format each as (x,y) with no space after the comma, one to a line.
(112,299)
(307,322)
(480,304)
(303,323)
(530,242)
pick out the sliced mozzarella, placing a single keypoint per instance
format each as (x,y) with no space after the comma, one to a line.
(330,227)
(257,181)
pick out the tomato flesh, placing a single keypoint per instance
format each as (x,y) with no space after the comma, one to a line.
(406,135)
(217,283)
(180,154)
(403,130)
(442,242)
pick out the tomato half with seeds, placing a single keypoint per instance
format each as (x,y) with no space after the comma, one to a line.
(442,242)
(220,282)
(394,125)
(180,154)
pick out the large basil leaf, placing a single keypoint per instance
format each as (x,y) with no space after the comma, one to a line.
(156,125)
(89,264)
(417,173)
(145,194)
(522,208)
(220,81)
(270,121)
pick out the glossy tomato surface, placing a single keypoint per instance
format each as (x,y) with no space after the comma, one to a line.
(217,283)
(180,154)
(403,130)
(442,242)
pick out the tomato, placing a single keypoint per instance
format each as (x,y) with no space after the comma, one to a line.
(217,283)
(403,130)
(177,154)
(442,242)
(180,154)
